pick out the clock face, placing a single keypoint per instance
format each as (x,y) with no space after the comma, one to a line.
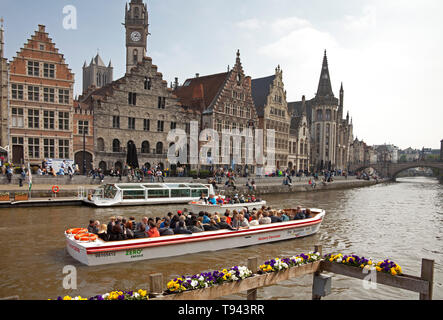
(136,36)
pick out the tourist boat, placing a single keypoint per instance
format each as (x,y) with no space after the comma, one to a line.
(137,194)
(197,206)
(98,252)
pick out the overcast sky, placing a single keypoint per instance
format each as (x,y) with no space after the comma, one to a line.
(387,53)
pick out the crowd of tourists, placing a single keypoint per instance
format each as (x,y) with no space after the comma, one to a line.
(184,222)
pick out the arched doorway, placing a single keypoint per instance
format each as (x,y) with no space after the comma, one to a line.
(116,146)
(84,161)
(103,167)
(118,166)
(145,147)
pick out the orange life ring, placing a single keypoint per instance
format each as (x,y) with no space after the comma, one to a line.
(76,231)
(86,237)
(55,189)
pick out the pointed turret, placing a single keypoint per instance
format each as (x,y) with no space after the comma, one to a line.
(303,106)
(340,108)
(110,64)
(324,86)
(2,42)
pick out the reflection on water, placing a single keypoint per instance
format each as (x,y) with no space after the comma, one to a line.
(401,221)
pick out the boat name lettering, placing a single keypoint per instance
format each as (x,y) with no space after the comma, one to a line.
(269,238)
(105,254)
(134,253)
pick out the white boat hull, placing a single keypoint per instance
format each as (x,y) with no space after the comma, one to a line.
(119,203)
(101,253)
(197,207)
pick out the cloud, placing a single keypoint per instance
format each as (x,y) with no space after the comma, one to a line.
(284,25)
(250,24)
(366,21)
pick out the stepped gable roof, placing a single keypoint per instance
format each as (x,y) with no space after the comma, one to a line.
(260,91)
(200,92)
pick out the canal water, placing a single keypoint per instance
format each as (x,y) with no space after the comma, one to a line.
(401,221)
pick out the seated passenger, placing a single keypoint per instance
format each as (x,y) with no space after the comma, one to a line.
(212,200)
(254,221)
(102,234)
(274,218)
(153,231)
(166,230)
(116,233)
(92,228)
(283,216)
(196,227)
(265,219)
(224,225)
(308,214)
(206,218)
(140,233)
(300,215)
(228,218)
(181,229)
(212,226)
(244,223)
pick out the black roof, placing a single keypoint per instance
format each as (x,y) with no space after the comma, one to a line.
(260,92)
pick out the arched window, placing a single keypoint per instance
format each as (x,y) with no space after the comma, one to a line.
(136,13)
(100,144)
(159,148)
(145,147)
(148,83)
(135,56)
(115,145)
(102,165)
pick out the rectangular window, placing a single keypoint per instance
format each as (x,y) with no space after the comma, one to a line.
(48,119)
(146,125)
(34,148)
(63,149)
(33,118)
(17,141)
(49,70)
(63,96)
(18,118)
(161,102)
(131,123)
(132,98)
(160,126)
(33,68)
(63,120)
(33,93)
(116,122)
(49,148)
(83,127)
(17,91)
(173,125)
(49,94)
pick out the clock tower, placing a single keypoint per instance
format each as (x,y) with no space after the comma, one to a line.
(136,24)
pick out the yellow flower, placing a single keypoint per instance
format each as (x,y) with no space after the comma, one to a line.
(393,272)
(331,259)
(67,298)
(370,262)
(378,268)
(362,266)
(142,292)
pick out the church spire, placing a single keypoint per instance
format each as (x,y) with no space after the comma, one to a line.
(324,86)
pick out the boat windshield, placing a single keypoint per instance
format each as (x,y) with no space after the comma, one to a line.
(109,191)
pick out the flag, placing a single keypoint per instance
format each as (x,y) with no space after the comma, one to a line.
(29,177)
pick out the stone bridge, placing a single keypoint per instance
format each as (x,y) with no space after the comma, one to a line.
(391,170)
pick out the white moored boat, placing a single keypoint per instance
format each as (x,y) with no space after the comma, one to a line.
(137,194)
(197,206)
(99,252)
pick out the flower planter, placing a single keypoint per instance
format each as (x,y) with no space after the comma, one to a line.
(256,281)
(21,197)
(4,197)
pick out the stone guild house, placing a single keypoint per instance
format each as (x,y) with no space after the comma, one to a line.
(272,110)
(300,140)
(83,132)
(136,110)
(225,103)
(4,74)
(41,102)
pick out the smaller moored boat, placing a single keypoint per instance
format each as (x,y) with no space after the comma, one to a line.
(139,194)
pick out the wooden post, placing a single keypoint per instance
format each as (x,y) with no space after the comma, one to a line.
(156,283)
(253,266)
(316,274)
(427,273)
